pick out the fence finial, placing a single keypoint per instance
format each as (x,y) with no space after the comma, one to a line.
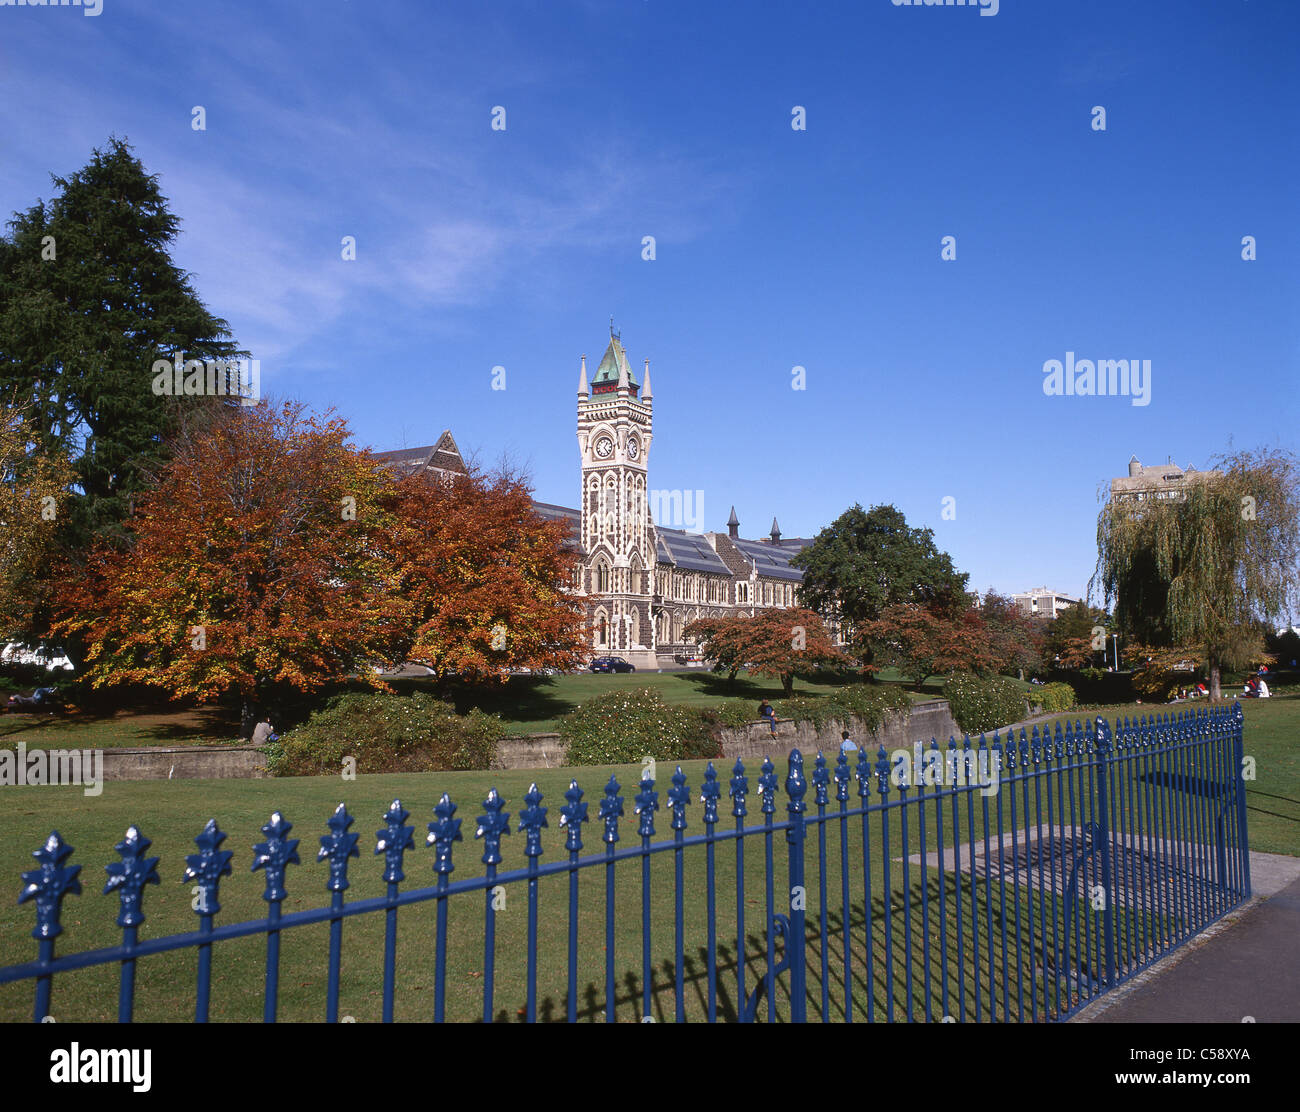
(796,787)
(647,803)
(130,875)
(821,779)
(709,795)
(275,855)
(336,847)
(882,772)
(492,826)
(611,810)
(767,784)
(50,883)
(531,820)
(394,840)
(842,777)
(679,796)
(739,790)
(207,867)
(444,832)
(572,815)
(1103,735)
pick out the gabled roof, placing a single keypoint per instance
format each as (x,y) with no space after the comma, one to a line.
(442,456)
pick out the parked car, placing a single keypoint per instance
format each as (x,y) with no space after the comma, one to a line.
(611,664)
(52,660)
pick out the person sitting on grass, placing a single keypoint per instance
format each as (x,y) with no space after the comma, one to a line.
(765,711)
(264,731)
(846,743)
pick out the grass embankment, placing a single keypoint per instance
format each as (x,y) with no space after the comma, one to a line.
(173,812)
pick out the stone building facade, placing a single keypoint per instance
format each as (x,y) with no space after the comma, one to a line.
(641,583)
(1161,481)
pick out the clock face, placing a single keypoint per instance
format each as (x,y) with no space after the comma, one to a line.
(633,448)
(604,447)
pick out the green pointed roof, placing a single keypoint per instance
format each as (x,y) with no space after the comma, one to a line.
(614,359)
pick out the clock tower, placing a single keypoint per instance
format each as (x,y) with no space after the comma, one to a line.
(614,433)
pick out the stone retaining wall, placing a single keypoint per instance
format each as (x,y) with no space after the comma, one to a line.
(185,762)
(754,741)
(931,719)
(750,743)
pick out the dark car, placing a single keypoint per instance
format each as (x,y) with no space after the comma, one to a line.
(611,664)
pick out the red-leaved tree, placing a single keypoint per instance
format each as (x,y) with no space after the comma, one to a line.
(480,578)
(779,643)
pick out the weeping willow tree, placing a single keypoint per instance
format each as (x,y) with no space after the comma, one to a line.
(1211,568)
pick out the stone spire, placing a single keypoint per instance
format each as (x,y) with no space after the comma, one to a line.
(583,391)
(645,390)
(776,532)
(733,524)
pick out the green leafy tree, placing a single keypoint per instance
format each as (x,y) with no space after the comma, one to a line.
(866,561)
(1077,637)
(33,489)
(1211,567)
(1016,642)
(89,300)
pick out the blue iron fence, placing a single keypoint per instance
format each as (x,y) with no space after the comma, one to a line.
(1007,879)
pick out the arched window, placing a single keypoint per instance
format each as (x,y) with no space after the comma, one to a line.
(602,633)
(602,577)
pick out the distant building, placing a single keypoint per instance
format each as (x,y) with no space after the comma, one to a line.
(641,582)
(1040,602)
(1157,481)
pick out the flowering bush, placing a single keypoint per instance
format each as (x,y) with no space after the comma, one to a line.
(387,733)
(980,704)
(1056,697)
(624,727)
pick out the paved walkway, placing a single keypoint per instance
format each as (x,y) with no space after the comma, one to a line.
(1247,964)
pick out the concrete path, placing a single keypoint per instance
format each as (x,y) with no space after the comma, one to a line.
(1247,964)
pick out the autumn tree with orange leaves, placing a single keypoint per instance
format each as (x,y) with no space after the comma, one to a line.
(779,643)
(922,641)
(479,578)
(255,562)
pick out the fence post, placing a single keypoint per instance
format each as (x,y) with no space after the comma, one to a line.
(1238,755)
(1103,845)
(796,787)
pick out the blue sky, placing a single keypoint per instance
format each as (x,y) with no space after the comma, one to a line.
(775,248)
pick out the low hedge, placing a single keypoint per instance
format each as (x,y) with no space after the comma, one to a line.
(387,733)
(983,703)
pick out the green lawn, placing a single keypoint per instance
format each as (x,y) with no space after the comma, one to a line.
(120,729)
(526,705)
(1272,736)
(173,812)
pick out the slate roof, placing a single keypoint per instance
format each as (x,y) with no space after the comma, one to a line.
(562,513)
(772,560)
(689,551)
